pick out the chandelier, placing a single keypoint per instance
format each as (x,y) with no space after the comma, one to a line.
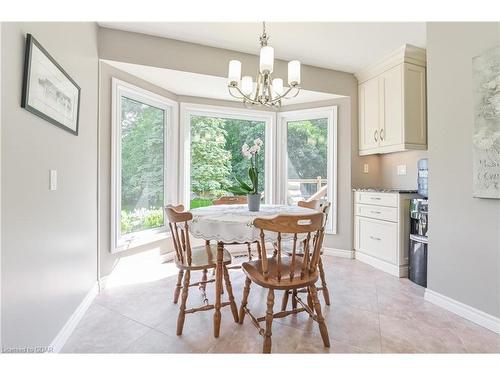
(268,91)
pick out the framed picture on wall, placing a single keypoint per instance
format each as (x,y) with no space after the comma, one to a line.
(48,91)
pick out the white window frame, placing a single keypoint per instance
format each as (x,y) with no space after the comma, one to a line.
(119,89)
(281,148)
(188,109)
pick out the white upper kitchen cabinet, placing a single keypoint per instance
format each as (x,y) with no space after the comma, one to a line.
(392,103)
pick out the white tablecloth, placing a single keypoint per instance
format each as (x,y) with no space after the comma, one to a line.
(234,223)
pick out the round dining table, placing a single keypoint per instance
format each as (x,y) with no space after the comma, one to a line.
(232,224)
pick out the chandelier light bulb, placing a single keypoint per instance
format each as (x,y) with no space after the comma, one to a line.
(278,86)
(294,72)
(246,85)
(266,59)
(234,74)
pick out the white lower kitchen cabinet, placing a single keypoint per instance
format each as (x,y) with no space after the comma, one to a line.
(382,229)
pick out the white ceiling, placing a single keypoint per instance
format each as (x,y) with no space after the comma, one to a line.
(345,46)
(200,85)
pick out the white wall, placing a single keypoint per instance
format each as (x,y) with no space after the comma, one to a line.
(464,235)
(388,169)
(49,238)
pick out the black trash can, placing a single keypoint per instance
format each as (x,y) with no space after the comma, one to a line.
(417,268)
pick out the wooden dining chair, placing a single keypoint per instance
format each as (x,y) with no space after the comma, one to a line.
(237,199)
(231,199)
(312,204)
(324,207)
(286,273)
(189,259)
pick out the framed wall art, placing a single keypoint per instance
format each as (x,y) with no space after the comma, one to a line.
(486,137)
(48,91)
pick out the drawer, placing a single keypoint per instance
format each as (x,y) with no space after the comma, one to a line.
(377,238)
(377,212)
(379,199)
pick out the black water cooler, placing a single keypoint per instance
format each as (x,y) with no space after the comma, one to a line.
(419,216)
(417,270)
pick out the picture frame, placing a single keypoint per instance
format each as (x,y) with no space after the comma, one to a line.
(48,90)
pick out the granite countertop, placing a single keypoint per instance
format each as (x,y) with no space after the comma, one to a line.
(377,190)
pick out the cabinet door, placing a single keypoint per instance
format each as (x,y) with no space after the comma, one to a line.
(415,105)
(377,238)
(391,128)
(369,112)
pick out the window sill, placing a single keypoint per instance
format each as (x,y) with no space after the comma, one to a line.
(141,240)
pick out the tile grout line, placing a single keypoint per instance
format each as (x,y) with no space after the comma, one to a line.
(125,316)
(378,317)
(151,328)
(154,328)
(134,341)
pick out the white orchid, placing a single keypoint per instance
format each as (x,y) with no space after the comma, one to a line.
(250,153)
(258,142)
(245,150)
(254,149)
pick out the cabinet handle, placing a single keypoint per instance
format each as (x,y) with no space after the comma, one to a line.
(381,134)
(376,212)
(375,198)
(375,238)
(375,135)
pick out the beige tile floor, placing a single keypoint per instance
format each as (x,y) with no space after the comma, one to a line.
(371,312)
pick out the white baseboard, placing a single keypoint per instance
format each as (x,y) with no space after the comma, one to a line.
(465,311)
(398,271)
(338,252)
(68,328)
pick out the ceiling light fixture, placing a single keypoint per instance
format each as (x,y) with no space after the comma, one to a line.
(268,91)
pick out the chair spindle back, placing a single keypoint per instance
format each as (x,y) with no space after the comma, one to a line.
(178,222)
(325,208)
(306,230)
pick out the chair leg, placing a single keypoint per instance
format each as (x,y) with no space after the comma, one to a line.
(249,249)
(269,322)
(294,301)
(182,314)
(178,288)
(321,321)
(284,301)
(218,288)
(244,301)
(326,293)
(229,288)
(203,286)
(310,302)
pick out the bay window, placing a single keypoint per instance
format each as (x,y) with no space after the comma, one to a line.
(157,159)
